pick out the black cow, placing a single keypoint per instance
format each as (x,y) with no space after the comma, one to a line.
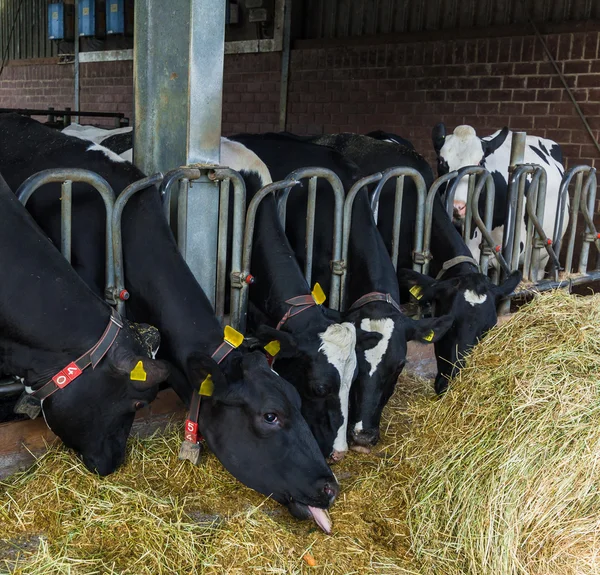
(461,290)
(252,421)
(317,355)
(389,137)
(382,330)
(49,318)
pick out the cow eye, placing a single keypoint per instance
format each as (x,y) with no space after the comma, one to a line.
(270,417)
(139,405)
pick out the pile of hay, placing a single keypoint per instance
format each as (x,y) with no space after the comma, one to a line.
(505,469)
(160,515)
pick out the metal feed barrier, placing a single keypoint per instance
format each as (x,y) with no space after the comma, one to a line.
(239,280)
(338,267)
(66,177)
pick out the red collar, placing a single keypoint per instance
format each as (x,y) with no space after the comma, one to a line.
(91,357)
(297,305)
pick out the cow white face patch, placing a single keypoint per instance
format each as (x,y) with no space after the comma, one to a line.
(385,327)
(338,343)
(108,153)
(474,298)
(462,148)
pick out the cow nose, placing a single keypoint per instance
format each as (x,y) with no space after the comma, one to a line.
(363,440)
(460,209)
(331,490)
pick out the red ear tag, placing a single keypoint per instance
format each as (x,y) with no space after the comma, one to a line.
(67,375)
(191,431)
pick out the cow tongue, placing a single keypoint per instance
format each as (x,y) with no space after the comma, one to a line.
(321,518)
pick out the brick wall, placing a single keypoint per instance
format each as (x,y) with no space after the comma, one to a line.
(407,88)
(403,88)
(104,87)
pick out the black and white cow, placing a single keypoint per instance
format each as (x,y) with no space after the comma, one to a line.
(49,319)
(382,329)
(464,148)
(252,421)
(389,137)
(461,291)
(317,354)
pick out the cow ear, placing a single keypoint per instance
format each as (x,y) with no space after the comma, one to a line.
(420,286)
(429,330)
(490,146)
(438,136)
(508,285)
(200,366)
(288,346)
(332,314)
(144,373)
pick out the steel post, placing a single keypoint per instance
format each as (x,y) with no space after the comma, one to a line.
(178,74)
(66,206)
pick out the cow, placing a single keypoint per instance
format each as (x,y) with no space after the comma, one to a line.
(389,137)
(464,148)
(54,335)
(372,288)
(459,288)
(251,420)
(317,355)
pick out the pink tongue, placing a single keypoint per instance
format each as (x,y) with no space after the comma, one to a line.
(321,518)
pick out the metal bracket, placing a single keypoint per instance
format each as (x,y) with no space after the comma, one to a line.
(338,267)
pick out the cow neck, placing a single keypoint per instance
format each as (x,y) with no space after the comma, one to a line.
(278,275)
(162,287)
(48,313)
(370,268)
(447,243)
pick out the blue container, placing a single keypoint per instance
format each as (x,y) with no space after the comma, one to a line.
(115,17)
(56,21)
(87,17)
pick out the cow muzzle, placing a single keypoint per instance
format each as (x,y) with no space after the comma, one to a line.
(460,210)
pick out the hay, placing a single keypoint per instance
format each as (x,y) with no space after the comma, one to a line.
(159,515)
(505,474)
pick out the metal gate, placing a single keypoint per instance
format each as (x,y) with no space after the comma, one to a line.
(66,177)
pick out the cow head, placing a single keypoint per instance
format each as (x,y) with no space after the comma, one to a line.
(93,414)
(458,150)
(321,364)
(253,424)
(472,300)
(381,342)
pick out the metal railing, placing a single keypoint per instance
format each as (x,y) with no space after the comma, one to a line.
(338,268)
(66,177)
(227,177)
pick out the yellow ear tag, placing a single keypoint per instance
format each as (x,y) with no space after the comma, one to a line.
(417,292)
(138,373)
(429,336)
(273,347)
(233,337)
(318,294)
(207,386)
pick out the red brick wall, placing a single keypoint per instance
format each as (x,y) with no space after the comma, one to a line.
(403,88)
(407,88)
(104,87)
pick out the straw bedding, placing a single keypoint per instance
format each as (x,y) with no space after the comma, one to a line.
(500,476)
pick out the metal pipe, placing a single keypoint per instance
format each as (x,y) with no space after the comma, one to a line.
(589,194)
(237,316)
(249,236)
(574,218)
(348,206)
(222,249)
(539,242)
(338,192)
(428,220)
(285,64)
(60,175)
(182,215)
(66,205)
(166,189)
(310,228)
(117,239)
(76,63)
(563,194)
